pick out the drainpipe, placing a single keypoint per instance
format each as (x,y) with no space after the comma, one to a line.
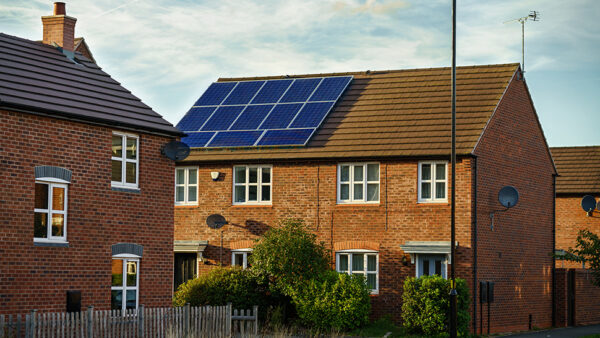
(475,246)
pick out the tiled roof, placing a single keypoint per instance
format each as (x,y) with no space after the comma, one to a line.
(579,169)
(39,78)
(394,113)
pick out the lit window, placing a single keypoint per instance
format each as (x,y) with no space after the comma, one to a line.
(359,262)
(358,183)
(240,257)
(124,286)
(429,265)
(433,182)
(125,162)
(186,186)
(50,212)
(252,185)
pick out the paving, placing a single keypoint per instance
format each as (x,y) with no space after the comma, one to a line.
(565,332)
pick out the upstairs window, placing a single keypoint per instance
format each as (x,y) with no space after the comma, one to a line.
(125,160)
(358,183)
(360,262)
(433,182)
(186,186)
(50,212)
(252,184)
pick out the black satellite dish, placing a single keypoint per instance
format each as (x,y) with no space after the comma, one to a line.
(176,151)
(508,196)
(588,203)
(215,221)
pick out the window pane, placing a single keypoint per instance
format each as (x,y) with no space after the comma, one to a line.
(266,193)
(41,196)
(440,171)
(58,198)
(425,190)
(252,193)
(266,175)
(343,263)
(358,262)
(130,172)
(180,179)
(240,174)
(371,263)
(440,190)
(344,191)
(117,146)
(193,176)
(131,148)
(438,267)
(180,194)
(372,192)
(40,225)
(116,299)
(425,267)
(58,224)
(131,299)
(345,173)
(238,259)
(117,272)
(372,281)
(131,273)
(426,171)
(192,194)
(372,172)
(253,175)
(358,192)
(240,193)
(117,175)
(358,173)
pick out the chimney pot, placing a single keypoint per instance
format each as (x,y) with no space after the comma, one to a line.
(59,8)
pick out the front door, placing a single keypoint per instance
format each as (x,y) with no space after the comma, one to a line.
(185,267)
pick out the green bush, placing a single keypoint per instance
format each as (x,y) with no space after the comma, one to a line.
(426,305)
(333,301)
(221,286)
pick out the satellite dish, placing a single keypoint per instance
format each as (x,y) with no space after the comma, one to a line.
(176,151)
(508,196)
(588,203)
(215,221)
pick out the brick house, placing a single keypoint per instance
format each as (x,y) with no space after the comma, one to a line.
(86,196)
(372,183)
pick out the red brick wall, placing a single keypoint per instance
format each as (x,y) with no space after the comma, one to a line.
(587,298)
(38,277)
(516,255)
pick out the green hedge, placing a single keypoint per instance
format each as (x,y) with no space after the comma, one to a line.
(426,305)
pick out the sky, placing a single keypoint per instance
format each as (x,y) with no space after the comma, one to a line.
(167,52)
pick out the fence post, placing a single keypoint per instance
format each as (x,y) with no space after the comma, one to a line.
(141,321)
(33,322)
(186,319)
(90,322)
(255,309)
(229,309)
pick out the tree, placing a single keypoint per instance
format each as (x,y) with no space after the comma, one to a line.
(587,251)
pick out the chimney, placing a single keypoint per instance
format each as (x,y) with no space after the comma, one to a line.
(59,28)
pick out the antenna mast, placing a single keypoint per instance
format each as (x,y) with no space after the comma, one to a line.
(533,16)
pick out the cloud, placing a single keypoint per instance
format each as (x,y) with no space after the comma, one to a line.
(370,6)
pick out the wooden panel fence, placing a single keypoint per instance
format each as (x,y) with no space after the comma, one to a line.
(187,321)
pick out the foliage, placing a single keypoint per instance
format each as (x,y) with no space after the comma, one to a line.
(587,251)
(379,328)
(426,305)
(289,256)
(333,301)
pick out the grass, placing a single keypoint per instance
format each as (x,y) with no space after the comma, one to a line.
(592,336)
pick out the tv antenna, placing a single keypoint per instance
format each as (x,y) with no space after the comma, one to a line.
(533,16)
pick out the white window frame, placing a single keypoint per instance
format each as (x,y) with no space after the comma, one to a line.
(259,184)
(351,182)
(53,182)
(364,271)
(186,185)
(433,182)
(244,253)
(419,261)
(124,160)
(124,288)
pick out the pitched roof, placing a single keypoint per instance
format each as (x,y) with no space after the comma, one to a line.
(39,78)
(579,169)
(393,113)
(82,47)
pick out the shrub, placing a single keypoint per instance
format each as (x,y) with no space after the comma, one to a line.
(587,250)
(426,305)
(334,301)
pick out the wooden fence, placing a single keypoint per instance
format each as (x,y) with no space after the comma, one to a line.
(187,321)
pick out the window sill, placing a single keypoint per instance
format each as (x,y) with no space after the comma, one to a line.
(252,205)
(433,203)
(374,293)
(358,204)
(48,243)
(186,205)
(125,189)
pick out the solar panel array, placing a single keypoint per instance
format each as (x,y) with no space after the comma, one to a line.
(261,113)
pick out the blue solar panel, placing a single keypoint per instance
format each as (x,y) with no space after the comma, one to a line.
(285,137)
(235,138)
(251,117)
(223,117)
(197,139)
(215,94)
(195,118)
(243,92)
(300,90)
(330,88)
(271,92)
(281,116)
(311,115)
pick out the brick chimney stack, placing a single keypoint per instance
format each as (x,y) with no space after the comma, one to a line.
(59,28)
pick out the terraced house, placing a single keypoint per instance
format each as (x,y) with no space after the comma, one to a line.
(363,159)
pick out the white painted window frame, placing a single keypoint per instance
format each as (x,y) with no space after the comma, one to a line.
(259,184)
(419,260)
(244,253)
(186,185)
(124,160)
(351,183)
(433,182)
(124,288)
(53,182)
(364,271)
